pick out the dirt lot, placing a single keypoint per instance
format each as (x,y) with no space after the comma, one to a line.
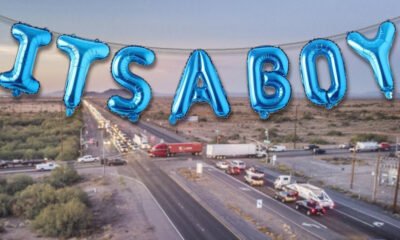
(314,124)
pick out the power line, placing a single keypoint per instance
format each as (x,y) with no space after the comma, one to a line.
(234,50)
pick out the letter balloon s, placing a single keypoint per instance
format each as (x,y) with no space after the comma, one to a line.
(82,53)
(141,91)
(308,69)
(376,52)
(199,66)
(258,79)
(20,79)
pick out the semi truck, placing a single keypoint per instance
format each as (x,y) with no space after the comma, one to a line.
(221,151)
(365,147)
(305,190)
(141,141)
(171,149)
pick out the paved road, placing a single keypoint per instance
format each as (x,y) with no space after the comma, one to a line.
(350,218)
(190,218)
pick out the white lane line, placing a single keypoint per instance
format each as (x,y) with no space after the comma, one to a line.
(155,200)
(352,217)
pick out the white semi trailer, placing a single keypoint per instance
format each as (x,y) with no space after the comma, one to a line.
(365,147)
(141,141)
(221,151)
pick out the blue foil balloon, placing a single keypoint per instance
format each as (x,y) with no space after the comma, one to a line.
(20,79)
(141,91)
(211,91)
(82,53)
(376,52)
(308,63)
(258,79)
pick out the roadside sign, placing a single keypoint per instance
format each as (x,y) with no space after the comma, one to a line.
(259,203)
(199,168)
(267,141)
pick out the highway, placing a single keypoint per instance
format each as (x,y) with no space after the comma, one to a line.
(189,217)
(350,218)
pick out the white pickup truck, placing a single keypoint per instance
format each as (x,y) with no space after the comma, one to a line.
(46,166)
(254,177)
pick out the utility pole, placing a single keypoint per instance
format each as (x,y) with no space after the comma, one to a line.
(295,128)
(377,172)
(396,191)
(62,132)
(103,160)
(353,165)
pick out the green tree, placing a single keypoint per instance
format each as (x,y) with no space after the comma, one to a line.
(66,194)
(33,199)
(5,202)
(63,220)
(18,183)
(63,176)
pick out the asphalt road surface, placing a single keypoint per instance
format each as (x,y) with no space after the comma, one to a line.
(350,218)
(190,218)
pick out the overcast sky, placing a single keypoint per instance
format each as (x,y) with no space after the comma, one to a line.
(197,24)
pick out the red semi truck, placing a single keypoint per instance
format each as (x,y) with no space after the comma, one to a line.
(171,149)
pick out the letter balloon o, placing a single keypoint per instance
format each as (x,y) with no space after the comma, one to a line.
(308,69)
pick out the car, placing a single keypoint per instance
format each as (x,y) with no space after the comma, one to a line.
(286,196)
(113,162)
(231,170)
(277,148)
(319,151)
(311,147)
(310,207)
(222,165)
(239,164)
(88,158)
(384,146)
(345,146)
(46,166)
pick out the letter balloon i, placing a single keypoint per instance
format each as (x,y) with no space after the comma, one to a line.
(308,69)
(82,53)
(141,91)
(376,52)
(20,79)
(262,102)
(211,91)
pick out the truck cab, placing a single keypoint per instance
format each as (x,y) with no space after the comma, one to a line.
(282,180)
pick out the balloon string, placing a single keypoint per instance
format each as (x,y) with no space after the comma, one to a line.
(234,50)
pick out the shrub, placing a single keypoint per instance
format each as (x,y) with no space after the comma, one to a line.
(308,116)
(63,176)
(5,202)
(67,194)
(364,137)
(318,141)
(334,133)
(18,183)
(63,220)
(33,199)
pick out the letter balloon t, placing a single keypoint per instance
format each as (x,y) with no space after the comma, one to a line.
(20,79)
(211,91)
(82,53)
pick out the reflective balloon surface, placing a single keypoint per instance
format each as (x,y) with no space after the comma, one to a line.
(261,101)
(376,52)
(308,63)
(140,89)
(82,53)
(20,80)
(211,91)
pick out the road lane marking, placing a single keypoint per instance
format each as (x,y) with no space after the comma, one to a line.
(354,218)
(378,224)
